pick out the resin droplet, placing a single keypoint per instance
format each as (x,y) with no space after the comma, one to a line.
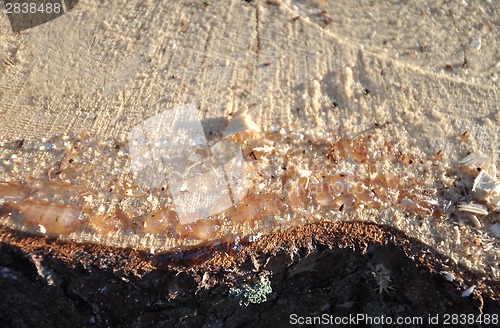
(53,219)
(12,192)
(160,221)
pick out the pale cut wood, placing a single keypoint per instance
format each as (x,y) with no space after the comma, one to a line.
(104,68)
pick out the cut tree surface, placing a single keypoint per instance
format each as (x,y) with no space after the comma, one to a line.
(299,67)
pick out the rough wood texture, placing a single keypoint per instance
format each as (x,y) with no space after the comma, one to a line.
(327,66)
(106,67)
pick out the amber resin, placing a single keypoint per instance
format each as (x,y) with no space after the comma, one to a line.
(81,188)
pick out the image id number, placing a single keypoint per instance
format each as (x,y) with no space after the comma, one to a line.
(32,8)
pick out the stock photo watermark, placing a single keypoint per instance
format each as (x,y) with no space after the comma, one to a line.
(26,14)
(365,319)
(204,179)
